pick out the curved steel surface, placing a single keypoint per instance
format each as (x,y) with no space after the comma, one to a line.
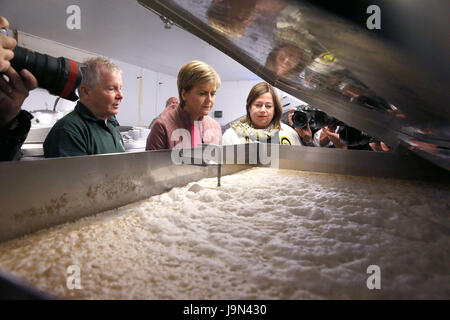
(394,88)
(40,194)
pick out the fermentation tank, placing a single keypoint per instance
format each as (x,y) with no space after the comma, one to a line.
(256,221)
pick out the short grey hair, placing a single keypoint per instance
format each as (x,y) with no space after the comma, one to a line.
(91,69)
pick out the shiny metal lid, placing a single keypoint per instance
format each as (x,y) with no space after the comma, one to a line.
(388,83)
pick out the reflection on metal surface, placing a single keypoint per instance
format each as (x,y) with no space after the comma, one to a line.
(357,162)
(333,65)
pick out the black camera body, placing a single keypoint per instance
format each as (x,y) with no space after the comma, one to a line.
(314,117)
(353,137)
(60,76)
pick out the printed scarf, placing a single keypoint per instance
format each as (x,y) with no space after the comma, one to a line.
(247,133)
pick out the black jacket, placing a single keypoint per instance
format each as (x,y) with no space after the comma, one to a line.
(11,139)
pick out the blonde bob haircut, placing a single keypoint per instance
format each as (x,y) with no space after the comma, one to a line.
(193,73)
(257,90)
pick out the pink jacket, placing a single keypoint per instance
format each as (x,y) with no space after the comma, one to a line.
(164,133)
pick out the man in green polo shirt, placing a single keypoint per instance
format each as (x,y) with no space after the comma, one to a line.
(91,128)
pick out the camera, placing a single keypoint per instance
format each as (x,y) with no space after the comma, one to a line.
(353,137)
(316,118)
(60,76)
(300,119)
(373,102)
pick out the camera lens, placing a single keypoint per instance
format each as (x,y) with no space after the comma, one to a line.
(318,119)
(334,122)
(60,76)
(353,137)
(300,119)
(373,102)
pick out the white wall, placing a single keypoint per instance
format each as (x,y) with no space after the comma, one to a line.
(40,99)
(166,88)
(231,98)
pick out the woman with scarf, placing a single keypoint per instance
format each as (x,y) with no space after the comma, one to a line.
(263,120)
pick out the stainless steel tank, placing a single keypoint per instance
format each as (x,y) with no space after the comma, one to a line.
(336,63)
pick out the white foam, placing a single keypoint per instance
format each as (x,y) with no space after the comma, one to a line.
(264,234)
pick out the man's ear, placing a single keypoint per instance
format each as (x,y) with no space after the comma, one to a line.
(84,91)
(183,92)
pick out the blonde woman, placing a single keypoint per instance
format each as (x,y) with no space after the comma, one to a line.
(263,120)
(189,125)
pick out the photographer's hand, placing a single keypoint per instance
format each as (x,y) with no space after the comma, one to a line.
(7,44)
(13,93)
(306,133)
(333,137)
(379,147)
